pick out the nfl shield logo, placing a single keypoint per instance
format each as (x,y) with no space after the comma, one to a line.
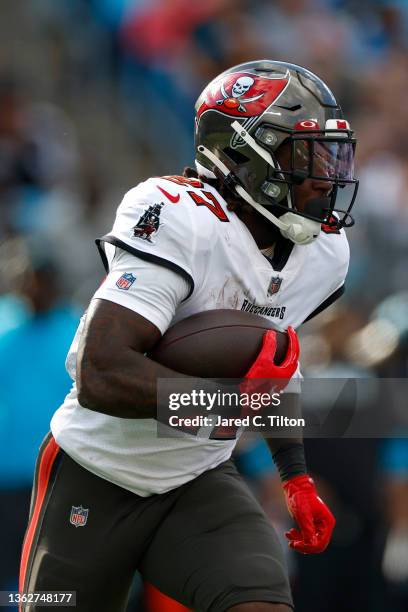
(125,281)
(79,516)
(274,285)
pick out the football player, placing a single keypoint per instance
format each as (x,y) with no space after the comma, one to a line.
(258,225)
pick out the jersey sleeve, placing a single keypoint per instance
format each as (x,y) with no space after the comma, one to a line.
(150,289)
(155,229)
(330,255)
(333,297)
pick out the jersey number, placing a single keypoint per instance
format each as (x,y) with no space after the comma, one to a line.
(184,180)
(210,202)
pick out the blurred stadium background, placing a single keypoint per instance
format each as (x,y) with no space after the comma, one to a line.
(96,95)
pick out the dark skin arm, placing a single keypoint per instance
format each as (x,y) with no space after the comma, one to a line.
(113,375)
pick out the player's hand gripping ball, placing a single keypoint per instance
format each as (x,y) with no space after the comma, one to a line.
(266,367)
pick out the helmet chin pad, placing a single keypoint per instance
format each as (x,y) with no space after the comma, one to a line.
(299,230)
(302,230)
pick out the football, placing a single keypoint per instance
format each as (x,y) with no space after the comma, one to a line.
(216,344)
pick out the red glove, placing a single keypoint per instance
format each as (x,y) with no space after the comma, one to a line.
(313,517)
(265,367)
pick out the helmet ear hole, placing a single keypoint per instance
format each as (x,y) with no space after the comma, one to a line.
(236,156)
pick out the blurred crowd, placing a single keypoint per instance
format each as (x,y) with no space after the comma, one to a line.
(96,95)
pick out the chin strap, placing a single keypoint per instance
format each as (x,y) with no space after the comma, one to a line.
(299,230)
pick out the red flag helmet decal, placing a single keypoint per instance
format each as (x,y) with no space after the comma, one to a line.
(242,94)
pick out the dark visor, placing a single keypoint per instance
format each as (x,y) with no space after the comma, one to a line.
(324,159)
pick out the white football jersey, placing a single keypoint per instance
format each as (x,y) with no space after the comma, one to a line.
(176,250)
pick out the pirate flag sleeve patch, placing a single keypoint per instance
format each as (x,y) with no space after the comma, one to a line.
(153,228)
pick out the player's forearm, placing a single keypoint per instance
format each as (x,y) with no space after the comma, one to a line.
(288,452)
(127,388)
(289,458)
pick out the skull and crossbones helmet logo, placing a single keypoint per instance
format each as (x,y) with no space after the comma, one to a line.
(241,86)
(236,99)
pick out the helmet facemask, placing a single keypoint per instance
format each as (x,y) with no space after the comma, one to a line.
(323,156)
